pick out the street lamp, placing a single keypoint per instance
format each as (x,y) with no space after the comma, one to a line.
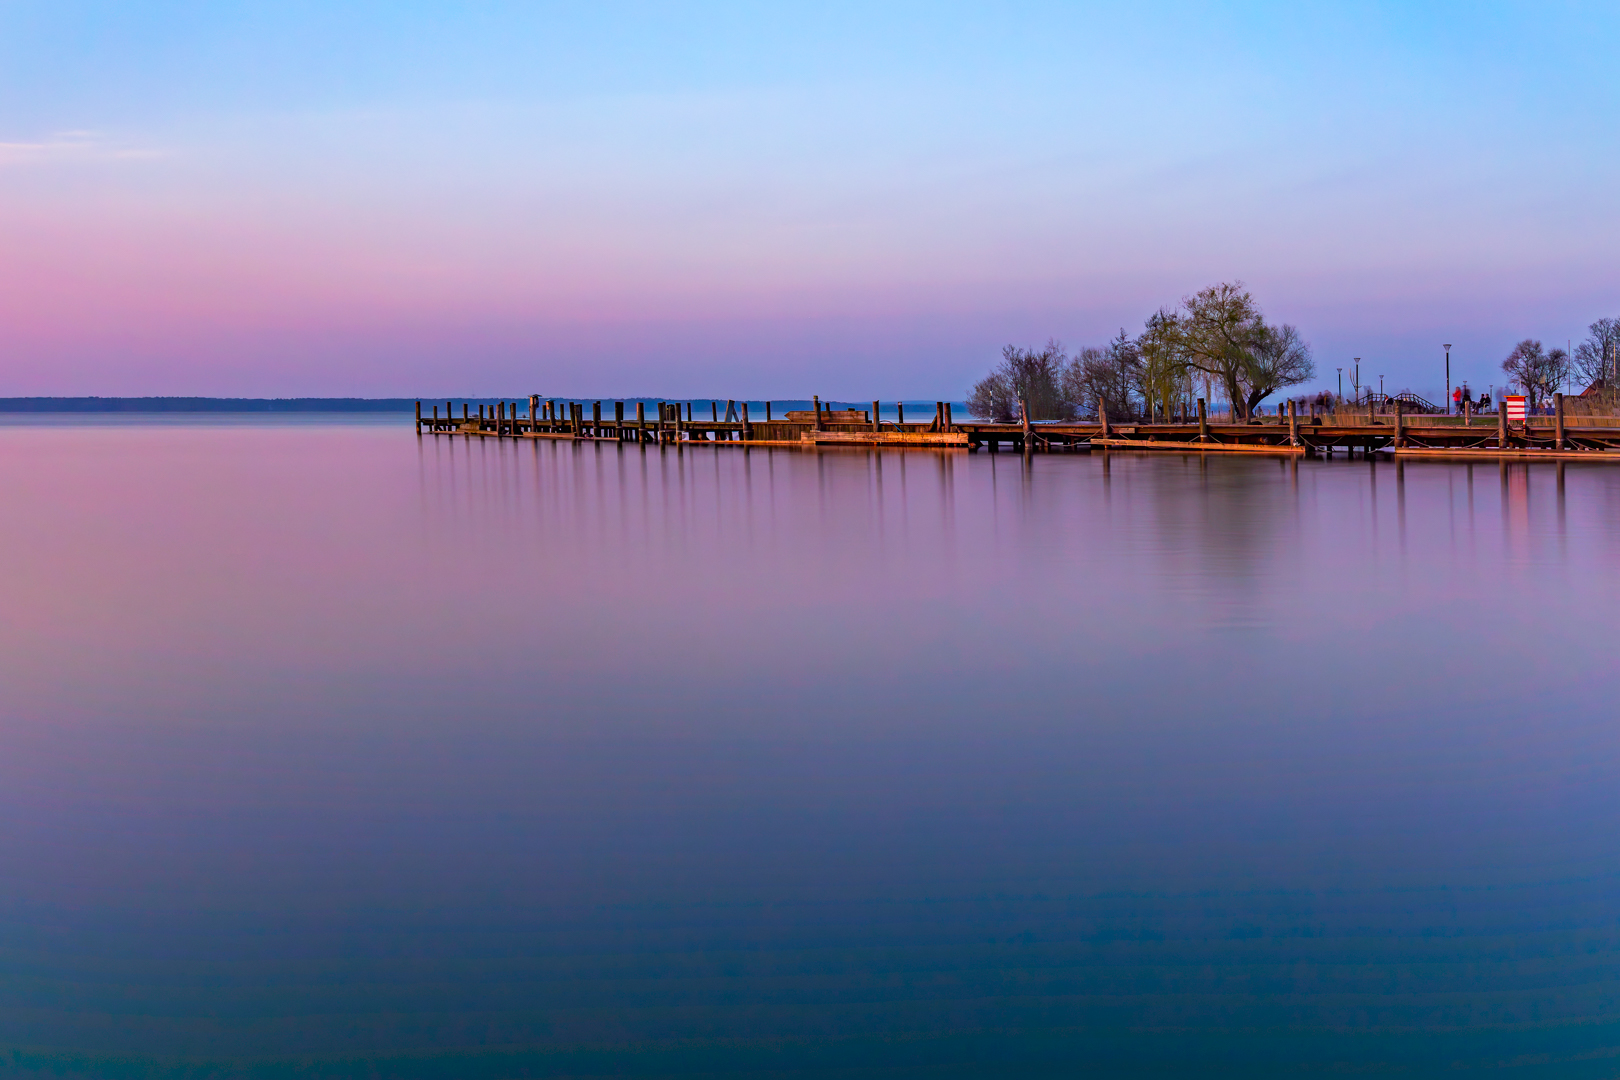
(1448,380)
(1380,386)
(1355,380)
(1341,382)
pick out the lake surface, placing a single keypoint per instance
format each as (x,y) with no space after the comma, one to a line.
(328,750)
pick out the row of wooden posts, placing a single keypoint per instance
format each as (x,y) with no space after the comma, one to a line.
(677,421)
(554,417)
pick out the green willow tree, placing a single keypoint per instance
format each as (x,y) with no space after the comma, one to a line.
(1222,334)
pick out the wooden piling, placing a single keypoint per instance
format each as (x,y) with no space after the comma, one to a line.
(1203,421)
(875,425)
(596,419)
(900,412)
(818,411)
(1558,421)
(949,423)
(744,436)
(1400,426)
(534,409)
(419,418)
(1102,419)
(1293,424)
(1501,425)
(767,412)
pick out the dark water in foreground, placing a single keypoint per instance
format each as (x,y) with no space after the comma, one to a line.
(341,753)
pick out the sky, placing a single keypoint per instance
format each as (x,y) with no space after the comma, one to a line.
(777,200)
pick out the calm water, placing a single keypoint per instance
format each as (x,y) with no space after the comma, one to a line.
(335,750)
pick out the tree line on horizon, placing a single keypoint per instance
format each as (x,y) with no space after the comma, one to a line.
(1540,371)
(1217,337)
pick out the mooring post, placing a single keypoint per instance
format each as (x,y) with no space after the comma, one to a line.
(949,423)
(899,412)
(1102,417)
(1203,421)
(596,419)
(419,418)
(534,411)
(767,412)
(1501,425)
(743,436)
(1293,424)
(1400,424)
(1558,421)
(875,425)
(1468,407)
(817,398)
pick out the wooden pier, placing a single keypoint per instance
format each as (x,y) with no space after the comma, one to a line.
(680,424)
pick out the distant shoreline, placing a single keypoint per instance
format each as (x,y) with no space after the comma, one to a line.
(319,404)
(203,404)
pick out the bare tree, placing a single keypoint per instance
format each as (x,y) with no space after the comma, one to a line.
(1110,377)
(1596,357)
(1279,357)
(1034,376)
(1536,370)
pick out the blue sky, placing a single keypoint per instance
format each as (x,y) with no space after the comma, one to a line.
(779,200)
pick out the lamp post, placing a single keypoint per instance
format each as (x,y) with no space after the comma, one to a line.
(1341,382)
(1355,379)
(1448,380)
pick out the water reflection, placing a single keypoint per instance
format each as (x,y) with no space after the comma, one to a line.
(551,745)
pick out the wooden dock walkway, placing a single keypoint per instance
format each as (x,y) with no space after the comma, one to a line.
(678,424)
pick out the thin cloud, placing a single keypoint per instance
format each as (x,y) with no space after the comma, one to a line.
(71,147)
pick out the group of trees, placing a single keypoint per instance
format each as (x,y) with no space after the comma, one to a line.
(1217,337)
(1540,371)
